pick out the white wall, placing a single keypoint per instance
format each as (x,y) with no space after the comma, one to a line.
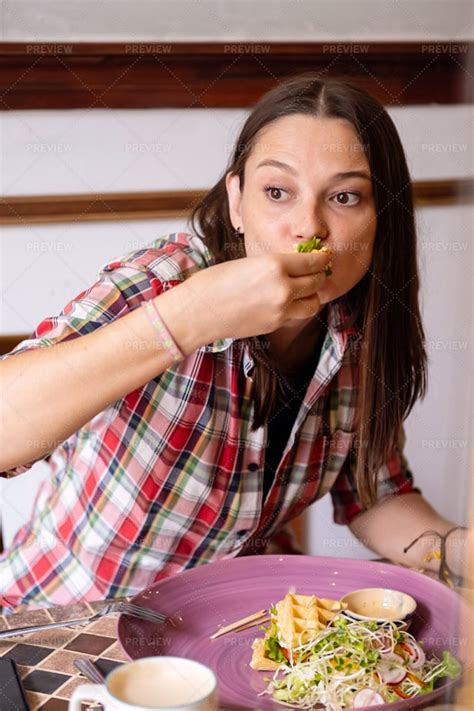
(43,266)
(221,20)
(439,443)
(113,151)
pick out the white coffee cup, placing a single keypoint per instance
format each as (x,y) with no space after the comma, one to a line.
(153,684)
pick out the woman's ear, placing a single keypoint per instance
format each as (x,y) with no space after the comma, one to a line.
(234,197)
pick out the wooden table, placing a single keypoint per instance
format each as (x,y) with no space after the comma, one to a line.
(46,659)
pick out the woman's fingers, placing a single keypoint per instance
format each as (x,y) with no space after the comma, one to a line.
(304,263)
(304,308)
(306,286)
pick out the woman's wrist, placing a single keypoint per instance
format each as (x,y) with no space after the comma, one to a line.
(427,550)
(179,314)
(442,552)
(455,551)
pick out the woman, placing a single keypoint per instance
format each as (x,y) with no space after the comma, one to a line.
(251,383)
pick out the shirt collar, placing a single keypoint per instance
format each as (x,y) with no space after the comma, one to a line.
(222,344)
(338,313)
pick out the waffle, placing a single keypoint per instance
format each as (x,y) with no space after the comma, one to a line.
(298,619)
(259,661)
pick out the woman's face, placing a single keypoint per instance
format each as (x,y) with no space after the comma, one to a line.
(285,204)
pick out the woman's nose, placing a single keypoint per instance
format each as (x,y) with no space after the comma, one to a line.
(309,220)
(304,235)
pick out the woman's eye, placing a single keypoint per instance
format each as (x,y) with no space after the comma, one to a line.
(274,192)
(343,198)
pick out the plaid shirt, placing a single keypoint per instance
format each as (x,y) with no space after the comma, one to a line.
(170,476)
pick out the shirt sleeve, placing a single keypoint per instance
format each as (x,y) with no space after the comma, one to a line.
(394,479)
(122,285)
(119,289)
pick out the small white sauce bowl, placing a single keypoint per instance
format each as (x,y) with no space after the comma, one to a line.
(380,604)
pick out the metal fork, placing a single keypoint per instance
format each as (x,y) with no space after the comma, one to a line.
(122,606)
(143,613)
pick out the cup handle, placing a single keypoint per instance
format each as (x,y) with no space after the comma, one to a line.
(87,692)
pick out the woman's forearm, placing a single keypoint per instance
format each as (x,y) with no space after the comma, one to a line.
(49,393)
(392,525)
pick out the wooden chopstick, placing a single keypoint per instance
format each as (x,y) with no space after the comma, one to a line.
(252,624)
(244,623)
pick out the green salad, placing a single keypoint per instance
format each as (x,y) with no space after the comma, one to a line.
(353,664)
(314,245)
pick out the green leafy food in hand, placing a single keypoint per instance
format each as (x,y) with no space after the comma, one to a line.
(309,245)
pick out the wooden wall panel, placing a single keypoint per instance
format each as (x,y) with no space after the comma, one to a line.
(64,75)
(177,204)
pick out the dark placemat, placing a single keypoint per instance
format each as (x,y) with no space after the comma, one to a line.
(45,659)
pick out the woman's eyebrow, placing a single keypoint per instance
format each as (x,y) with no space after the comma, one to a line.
(337,176)
(278,164)
(351,174)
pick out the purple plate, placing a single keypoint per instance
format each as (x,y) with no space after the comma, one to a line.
(216,594)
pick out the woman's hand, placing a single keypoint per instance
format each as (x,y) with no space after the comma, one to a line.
(257,295)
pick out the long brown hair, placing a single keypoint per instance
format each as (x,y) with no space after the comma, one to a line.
(384,304)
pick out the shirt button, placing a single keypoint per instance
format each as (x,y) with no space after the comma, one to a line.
(253,467)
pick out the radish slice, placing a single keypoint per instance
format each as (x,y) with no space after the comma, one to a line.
(367,697)
(392,657)
(391,669)
(415,652)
